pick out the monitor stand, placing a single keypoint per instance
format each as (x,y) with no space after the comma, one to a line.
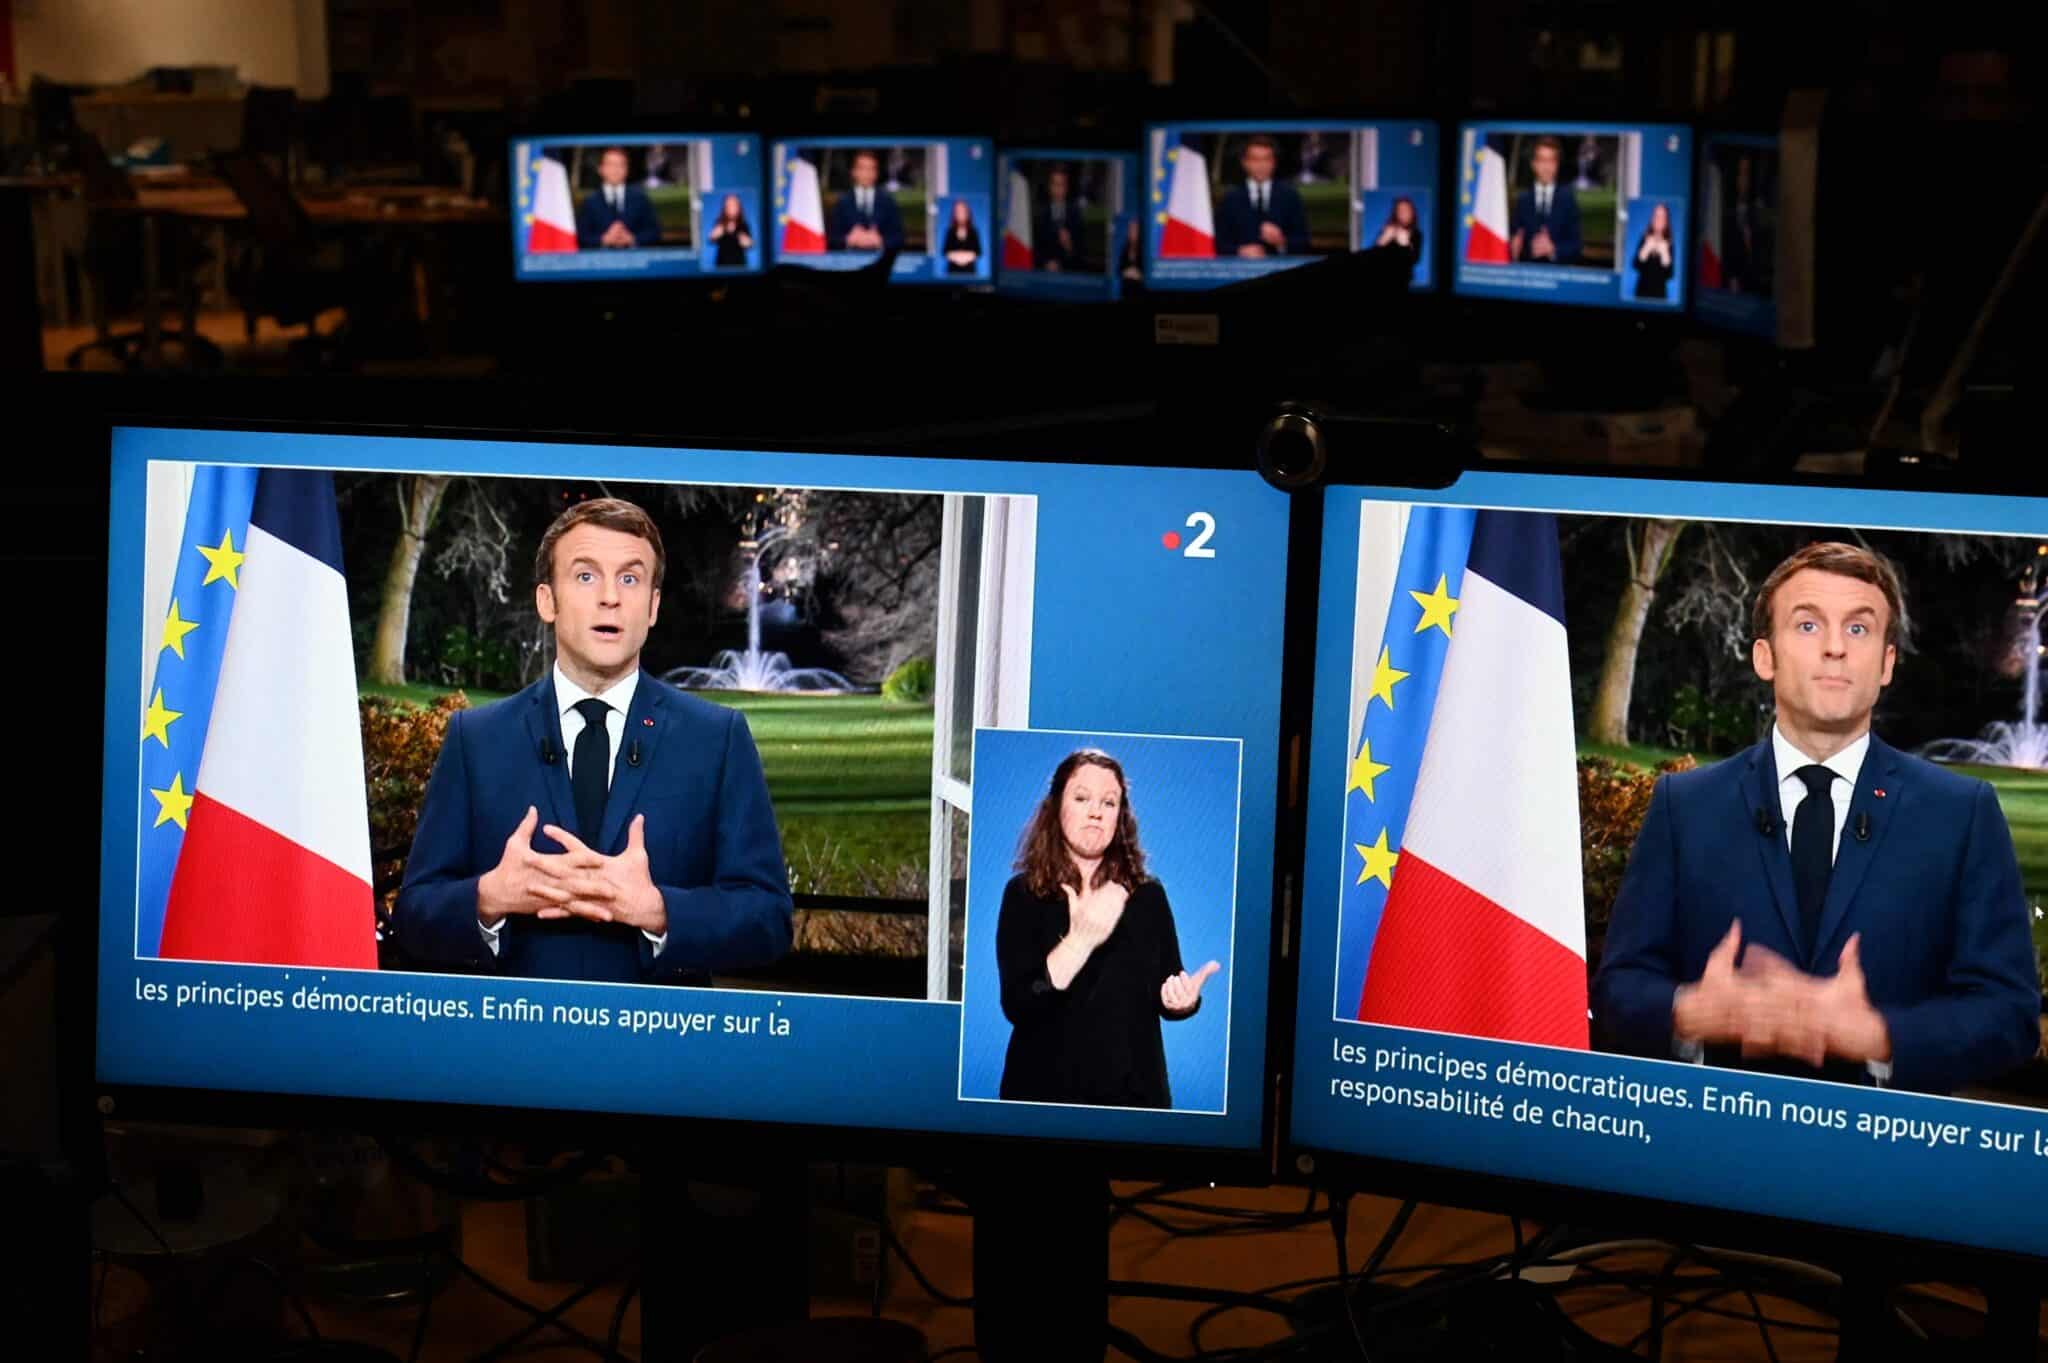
(1041,1262)
(722,1255)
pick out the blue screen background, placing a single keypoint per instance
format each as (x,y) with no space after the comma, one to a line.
(1171,643)
(1964,1195)
(1184,796)
(737,167)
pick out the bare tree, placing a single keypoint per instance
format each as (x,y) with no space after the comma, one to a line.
(1650,545)
(419,501)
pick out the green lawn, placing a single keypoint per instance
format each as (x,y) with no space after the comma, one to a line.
(672,210)
(421,694)
(851,778)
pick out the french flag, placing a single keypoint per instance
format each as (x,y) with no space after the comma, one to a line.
(1017,224)
(1190,230)
(259,841)
(551,226)
(1464,900)
(803,216)
(1486,188)
(1710,239)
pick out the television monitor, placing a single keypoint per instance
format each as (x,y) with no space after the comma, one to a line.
(661,206)
(1568,917)
(1070,224)
(1574,212)
(349,844)
(1235,200)
(1735,271)
(840,202)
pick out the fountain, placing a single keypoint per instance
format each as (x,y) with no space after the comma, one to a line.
(750,669)
(2010,743)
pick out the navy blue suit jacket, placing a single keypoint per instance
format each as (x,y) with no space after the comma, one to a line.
(1934,889)
(1562,220)
(712,845)
(846,215)
(1237,223)
(596,216)
(1045,235)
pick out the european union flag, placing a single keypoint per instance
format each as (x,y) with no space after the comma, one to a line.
(194,634)
(1399,694)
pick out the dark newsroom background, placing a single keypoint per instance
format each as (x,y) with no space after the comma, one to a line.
(1929,272)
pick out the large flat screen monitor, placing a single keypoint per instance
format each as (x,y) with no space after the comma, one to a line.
(669,206)
(1230,201)
(1736,267)
(1586,213)
(1684,841)
(1070,225)
(840,202)
(909,794)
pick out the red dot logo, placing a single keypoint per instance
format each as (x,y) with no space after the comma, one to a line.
(1171,539)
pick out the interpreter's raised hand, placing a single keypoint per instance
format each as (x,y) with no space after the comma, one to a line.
(1180,993)
(1092,915)
(606,889)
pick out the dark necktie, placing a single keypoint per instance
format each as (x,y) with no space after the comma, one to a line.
(590,769)
(1813,848)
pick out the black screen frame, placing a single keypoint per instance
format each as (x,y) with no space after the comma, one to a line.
(1673,1218)
(83,412)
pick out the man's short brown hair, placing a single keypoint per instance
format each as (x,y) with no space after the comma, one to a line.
(1550,142)
(611,513)
(1844,560)
(1261,140)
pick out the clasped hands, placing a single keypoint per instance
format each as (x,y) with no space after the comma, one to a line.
(574,883)
(617,236)
(863,238)
(1771,1007)
(1092,916)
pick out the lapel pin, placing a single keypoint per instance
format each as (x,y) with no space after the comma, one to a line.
(1879,793)
(650,724)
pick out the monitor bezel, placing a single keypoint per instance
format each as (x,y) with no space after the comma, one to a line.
(1306,1164)
(1106,441)
(1295,121)
(862,131)
(1673,320)
(696,282)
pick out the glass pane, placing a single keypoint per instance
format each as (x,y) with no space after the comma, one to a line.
(956,904)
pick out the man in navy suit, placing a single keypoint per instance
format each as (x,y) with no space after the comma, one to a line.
(865,217)
(598,825)
(1261,217)
(616,215)
(1822,904)
(1545,229)
(1056,236)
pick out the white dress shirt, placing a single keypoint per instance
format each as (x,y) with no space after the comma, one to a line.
(864,200)
(1259,190)
(615,195)
(1846,765)
(1543,199)
(567,696)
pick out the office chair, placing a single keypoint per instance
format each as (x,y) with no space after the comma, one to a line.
(280,266)
(269,117)
(111,261)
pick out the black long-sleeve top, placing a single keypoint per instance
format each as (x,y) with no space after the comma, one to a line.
(1098,1040)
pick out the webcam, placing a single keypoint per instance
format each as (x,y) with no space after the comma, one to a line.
(1303,445)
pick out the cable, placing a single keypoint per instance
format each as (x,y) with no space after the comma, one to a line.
(618,1325)
(543,1316)
(419,1329)
(895,1247)
(1340,1218)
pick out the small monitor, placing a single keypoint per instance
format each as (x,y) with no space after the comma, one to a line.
(1681,841)
(668,206)
(841,202)
(1070,224)
(1229,201)
(1735,270)
(1594,214)
(927,795)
